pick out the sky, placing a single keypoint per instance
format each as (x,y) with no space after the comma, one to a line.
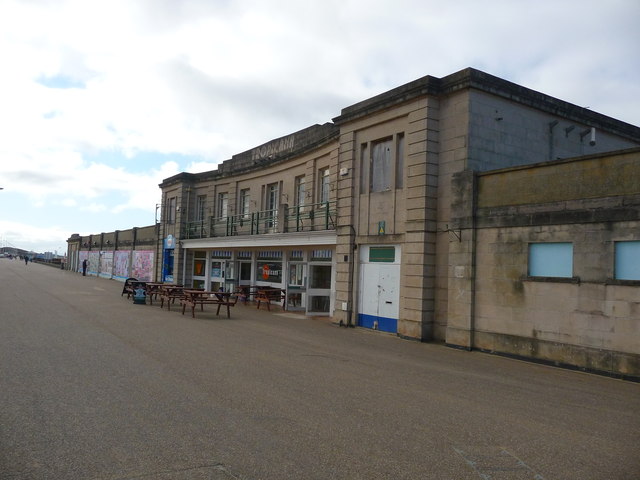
(102,100)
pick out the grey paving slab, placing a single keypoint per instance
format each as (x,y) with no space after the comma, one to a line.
(94,387)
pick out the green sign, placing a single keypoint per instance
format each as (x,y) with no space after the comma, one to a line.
(382,254)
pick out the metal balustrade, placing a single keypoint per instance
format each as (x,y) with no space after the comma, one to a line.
(316,216)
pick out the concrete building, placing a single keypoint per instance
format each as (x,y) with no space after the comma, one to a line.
(378,219)
(547,263)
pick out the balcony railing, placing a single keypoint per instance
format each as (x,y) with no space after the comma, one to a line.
(317,216)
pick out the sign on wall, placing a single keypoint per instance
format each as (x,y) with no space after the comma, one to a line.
(269,272)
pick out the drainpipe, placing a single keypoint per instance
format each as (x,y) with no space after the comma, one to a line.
(474,248)
(350,297)
(551,127)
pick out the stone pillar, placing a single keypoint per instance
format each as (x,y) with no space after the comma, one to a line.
(462,255)
(418,254)
(346,260)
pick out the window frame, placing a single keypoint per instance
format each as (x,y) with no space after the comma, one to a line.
(621,265)
(324,185)
(550,263)
(245,202)
(300,191)
(201,207)
(172,208)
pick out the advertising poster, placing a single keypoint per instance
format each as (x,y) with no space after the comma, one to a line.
(142,265)
(121,264)
(106,264)
(94,263)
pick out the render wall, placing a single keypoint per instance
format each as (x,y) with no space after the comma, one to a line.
(589,321)
(503,133)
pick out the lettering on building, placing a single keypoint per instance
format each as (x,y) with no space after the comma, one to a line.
(273,148)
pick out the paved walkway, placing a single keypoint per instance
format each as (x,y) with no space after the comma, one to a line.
(95,387)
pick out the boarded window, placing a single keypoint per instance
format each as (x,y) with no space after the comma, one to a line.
(551,260)
(381,166)
(627,260)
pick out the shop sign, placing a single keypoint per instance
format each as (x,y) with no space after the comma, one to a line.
(270,272)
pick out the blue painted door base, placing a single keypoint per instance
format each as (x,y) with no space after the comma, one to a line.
(384,324)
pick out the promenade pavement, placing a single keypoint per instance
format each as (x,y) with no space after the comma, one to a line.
(95,387)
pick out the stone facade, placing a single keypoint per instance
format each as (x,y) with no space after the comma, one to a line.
(590,320)
(397,212)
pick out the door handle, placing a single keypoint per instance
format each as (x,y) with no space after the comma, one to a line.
(388,302)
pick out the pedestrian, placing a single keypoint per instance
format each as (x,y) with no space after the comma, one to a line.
(84,267)
(26,260)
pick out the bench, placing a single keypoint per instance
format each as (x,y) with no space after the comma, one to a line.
(246,292)
(192,298)
(169,294)
(128,287)
(267,295)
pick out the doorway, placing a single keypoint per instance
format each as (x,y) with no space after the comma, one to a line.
(379,296)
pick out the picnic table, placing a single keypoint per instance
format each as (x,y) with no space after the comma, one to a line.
(268,294)
(130,284)
(169,294)
(153,290)
(191,298)
(246,292)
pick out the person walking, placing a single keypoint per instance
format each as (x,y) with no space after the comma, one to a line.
(84,267)
(26,260)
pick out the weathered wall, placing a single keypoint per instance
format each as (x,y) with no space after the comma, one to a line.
(589,321)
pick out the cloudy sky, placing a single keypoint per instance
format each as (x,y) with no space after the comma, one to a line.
(101,100)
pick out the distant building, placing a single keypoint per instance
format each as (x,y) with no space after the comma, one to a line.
(436,211)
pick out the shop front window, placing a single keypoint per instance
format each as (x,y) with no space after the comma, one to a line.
(320,276)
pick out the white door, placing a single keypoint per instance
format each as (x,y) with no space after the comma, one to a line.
(379,296)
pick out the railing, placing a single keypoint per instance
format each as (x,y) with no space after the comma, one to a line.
(254,223)
(316,216)
(198,229)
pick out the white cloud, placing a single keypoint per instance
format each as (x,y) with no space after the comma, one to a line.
(201,80)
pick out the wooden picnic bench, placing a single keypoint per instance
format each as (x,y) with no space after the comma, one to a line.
(153,290)
(270,294)
(128,287)
(169,294)
(246,292)
(192,298)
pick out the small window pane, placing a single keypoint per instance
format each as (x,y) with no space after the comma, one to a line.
(551,260)
(400,161)
(364,168)
(320,276)
(627,262)
(381,166)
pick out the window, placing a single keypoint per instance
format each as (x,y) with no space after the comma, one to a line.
(223,205)
(381,165)
(199,263)
(244,202)
(364,168)
(400,160)
(272,197)
(324,186)
(627,260)
(201,207)
(551,260)
(271,202)
(300,191)
(171,210)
